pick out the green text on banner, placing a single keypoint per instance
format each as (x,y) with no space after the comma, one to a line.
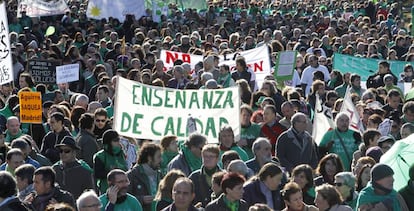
(149,112)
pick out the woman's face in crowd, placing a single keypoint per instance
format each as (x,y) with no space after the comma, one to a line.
(330,168)
(301,179)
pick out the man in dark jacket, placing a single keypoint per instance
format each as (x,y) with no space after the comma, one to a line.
(46,191)
(376,80)
(54,137)
(295,146)
(146,175)
(86,140)
(101,122)
(183,195)
(408,191)
(231,199)
(189,159)
(202,177)
(8,191)
(265,188)
(69,168)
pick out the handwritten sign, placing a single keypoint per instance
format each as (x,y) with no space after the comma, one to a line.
(43,71)
(6,64)
(30,107)
(67,73)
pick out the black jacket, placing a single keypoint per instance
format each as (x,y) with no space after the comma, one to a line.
(13,205)
(48,144)
(220,205)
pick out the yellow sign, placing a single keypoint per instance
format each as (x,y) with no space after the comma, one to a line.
(30,107)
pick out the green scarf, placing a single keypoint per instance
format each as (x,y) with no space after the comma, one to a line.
(224,80)
(167,156)
(193,161)
(367,195)
(10,138)
(233,206)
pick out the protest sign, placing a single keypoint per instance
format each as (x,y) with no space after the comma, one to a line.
(285,65)
(257,59)
(30,107)
(38,8)
(98,9)
(43,71)
(67,73)
(364,66)
(6,65)
(149,112)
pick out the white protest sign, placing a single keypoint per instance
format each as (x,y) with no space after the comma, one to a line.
(149,112)
(67,73)
(6,64)
(38,8)
(257,59)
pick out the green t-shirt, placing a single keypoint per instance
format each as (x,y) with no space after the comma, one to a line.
(130,204)
(250,134)
(337,148)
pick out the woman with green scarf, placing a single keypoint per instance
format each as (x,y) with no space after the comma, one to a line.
(169,148)
(225,80)
(110,157)
(231,198)
(379,193)
(189,159)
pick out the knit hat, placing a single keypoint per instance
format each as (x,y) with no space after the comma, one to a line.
(375,153)
(380,171)
(109,136)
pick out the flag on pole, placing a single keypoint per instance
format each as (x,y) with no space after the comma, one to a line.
(98,9)
(6,64)
(123,46)
(348,107)
(322,121)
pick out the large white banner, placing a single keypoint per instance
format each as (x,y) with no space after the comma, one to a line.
(37,8)
(98,9)
(6,64)
(149,112)
(257,59)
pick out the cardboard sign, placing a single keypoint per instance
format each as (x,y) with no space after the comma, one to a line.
(43,71)
(67,73)
(30,107)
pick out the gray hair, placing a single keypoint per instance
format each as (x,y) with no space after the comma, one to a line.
(85,195)
(178,68)
(258,142)
(207,76)
(341,115)
(238,166)
(348,178)
(296,117)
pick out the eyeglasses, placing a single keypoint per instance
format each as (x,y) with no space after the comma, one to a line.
(66,151)
(339,184)
(92,205)
(100,120)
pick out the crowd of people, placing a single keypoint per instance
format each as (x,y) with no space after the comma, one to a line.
(76,160)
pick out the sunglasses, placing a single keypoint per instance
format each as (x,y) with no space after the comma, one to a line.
(100,120)
(66,151)
(338,184)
